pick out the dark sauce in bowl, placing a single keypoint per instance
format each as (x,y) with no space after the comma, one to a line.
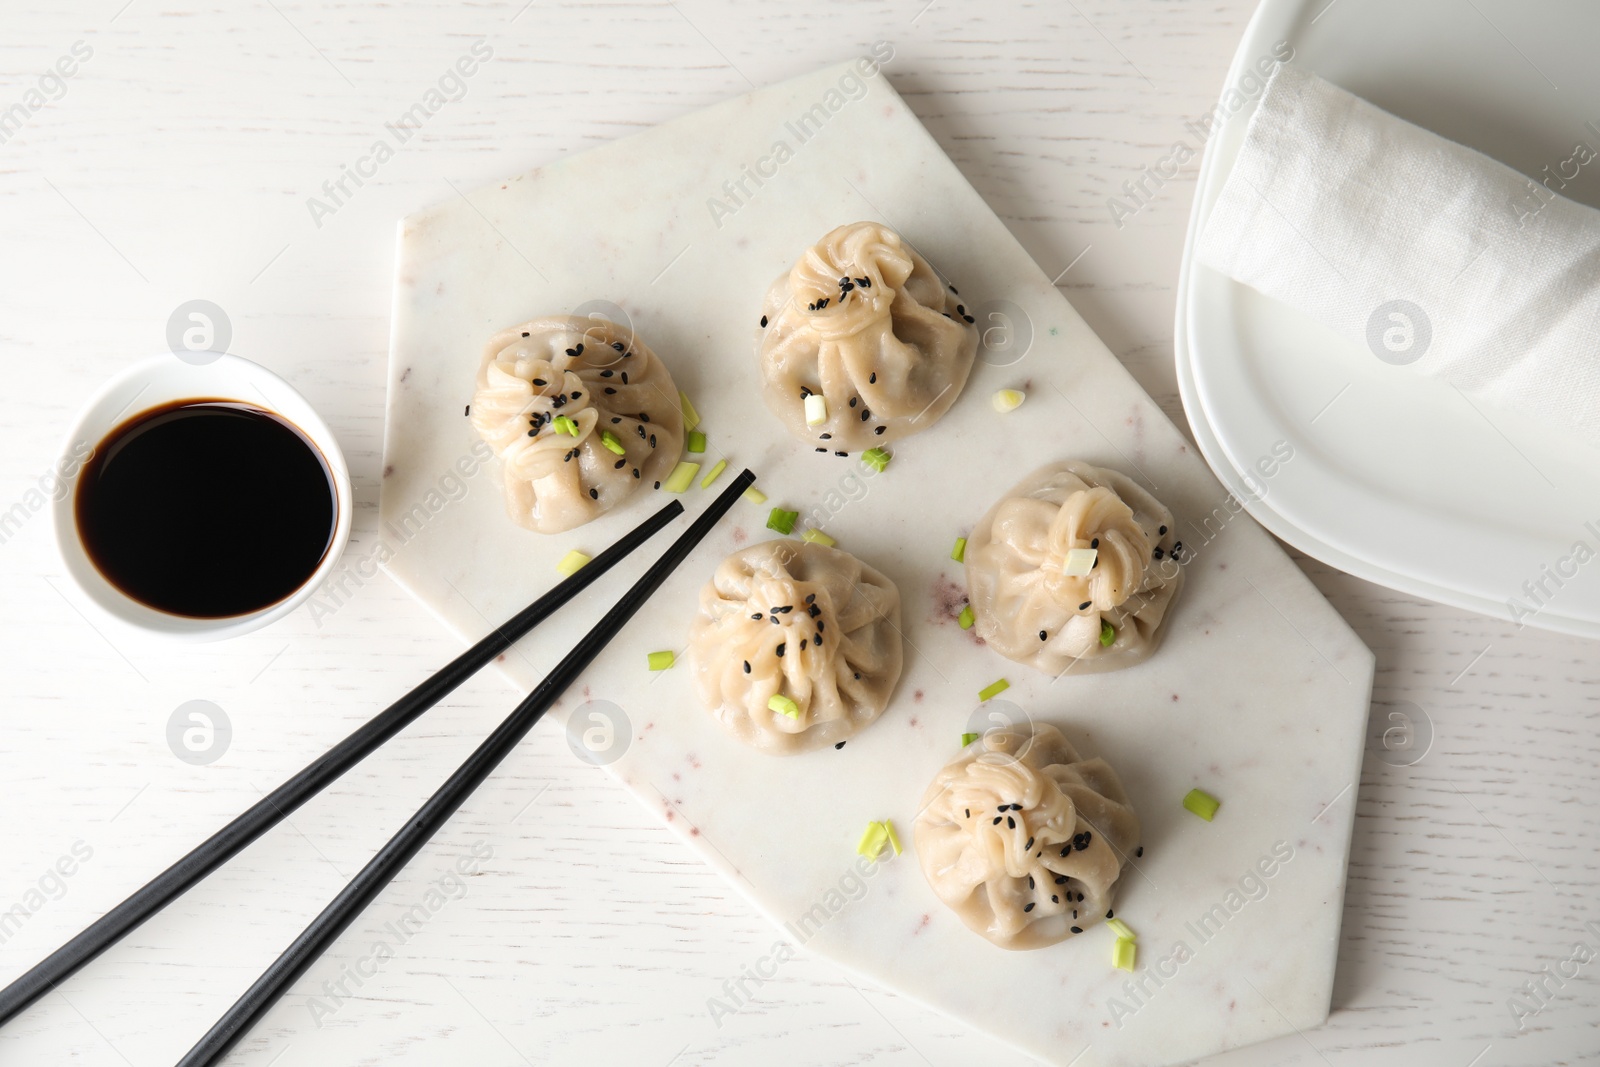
(206,508)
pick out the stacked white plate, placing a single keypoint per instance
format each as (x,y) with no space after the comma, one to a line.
(1360,461)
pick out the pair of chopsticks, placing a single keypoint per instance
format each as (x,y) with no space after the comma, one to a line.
(365,887)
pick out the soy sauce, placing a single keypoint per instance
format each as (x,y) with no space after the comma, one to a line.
(206,508)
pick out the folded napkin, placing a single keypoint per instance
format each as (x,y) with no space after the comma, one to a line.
(1426,251)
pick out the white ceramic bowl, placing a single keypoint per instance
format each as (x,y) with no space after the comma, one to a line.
(161,380)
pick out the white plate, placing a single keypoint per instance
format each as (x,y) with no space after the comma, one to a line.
(1398,478)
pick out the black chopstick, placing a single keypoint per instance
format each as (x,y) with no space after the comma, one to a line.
(281,802)
(366,885)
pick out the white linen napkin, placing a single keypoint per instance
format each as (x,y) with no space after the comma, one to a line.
(1424,250)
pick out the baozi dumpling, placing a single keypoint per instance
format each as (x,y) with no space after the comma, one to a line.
(1022,839)
(803,622)
(863,322)
(1029,609)
(603,379)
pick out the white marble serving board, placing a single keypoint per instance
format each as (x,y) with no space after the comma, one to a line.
(1259,695)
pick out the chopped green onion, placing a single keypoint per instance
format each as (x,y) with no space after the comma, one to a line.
(711,475)
(783,706)
(697,442)
(662,661)
(571,563)
(872,840)
(564,425)
(817,537)
(993,689)
(1202,803)
(959,553)
(967,739)
(680,477)
(816,409)
(691,417)
(1108,634)
(755,496)
(1079,562)
(966,618)
(609,439)
(1121,929)
(782,521)
(894,839)
(1123,953)
(876,458)
(1005,400)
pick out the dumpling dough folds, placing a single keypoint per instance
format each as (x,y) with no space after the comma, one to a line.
(808,622)
(865,322)
(603,378)
(1016,583)
(1019,804)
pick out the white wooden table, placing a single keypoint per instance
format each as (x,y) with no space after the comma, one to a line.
(176,162)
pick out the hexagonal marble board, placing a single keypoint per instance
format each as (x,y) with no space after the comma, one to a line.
(1259,694)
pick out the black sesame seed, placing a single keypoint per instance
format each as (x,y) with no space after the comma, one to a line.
(763,322)
(872,379)
(1075,929)
(1002,809)
(1011,823)
(1081,841)
(617,345)
(880,429)
(540,381)
(1030,881)
(608,372)
(811,598)
(857,675)
(1156,553)
(468,411)
(968,811)
(781,646)
(865,283)
(636,472)
(841,453)
(625,373)
(641,431)
(954,290)
(594,494)
(961,309)
(826,437)
(839,745)
(1066,848)
(1054,899)
(612,392)
(524,333)
(1109,915)
(619,464)
(1138,851)
(1095,543)
(824,451)
(757,616)
(1028,906)
(1080,898)
(615,419)
(747,666)
(1043,635)
(1085,605)
(1025,848)
(652,440)
(865,415)
(577,395)
(1163,530)
(658,485)
(644,416)
(533,433)
(804,392)
(996,821)
(969,318)
(853,400)
(802,644)
(1061,879)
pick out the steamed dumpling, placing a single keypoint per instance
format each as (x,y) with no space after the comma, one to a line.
(1029,610)
(600,376)
(1024,840)
(864,322)
(802,621)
